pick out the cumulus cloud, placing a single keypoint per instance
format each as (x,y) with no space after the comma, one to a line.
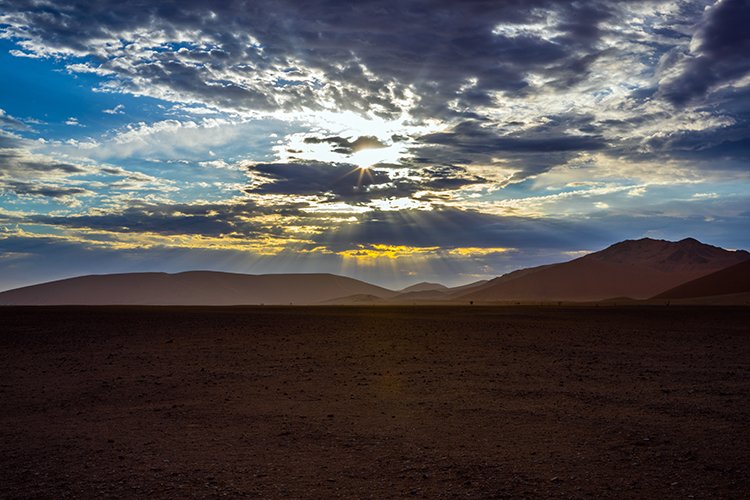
(718,54)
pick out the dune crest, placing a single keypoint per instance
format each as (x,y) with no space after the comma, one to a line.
(192,288)
(636,269)
(733,280)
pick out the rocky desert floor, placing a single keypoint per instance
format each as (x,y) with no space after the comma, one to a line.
(375,402)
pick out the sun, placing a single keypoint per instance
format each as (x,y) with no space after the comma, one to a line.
(366,158)
(364,171)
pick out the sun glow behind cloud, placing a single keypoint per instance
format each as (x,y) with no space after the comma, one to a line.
(393,134)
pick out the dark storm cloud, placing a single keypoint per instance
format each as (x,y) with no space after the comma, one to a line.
(725,148)
(728,149)
(336,180)
(716,148)
(172,219)
(39,189)
(447,177)
(450,228)
(470,138)
(342,182)
(720,53)
(530,152)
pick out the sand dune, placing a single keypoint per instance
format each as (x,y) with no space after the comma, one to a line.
(424,287)
(456,290)
(637,269)
(732,280)
(192,288)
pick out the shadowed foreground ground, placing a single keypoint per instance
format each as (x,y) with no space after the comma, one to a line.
(374,402)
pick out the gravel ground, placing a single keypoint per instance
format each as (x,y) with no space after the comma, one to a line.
(375,402)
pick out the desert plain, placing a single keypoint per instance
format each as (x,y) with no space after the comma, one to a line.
(375,402)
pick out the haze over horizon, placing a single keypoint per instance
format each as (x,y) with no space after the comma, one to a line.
(392,142)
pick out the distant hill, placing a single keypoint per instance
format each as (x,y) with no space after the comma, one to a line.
(456,290)
(637,269)
(729,281)
(426,295)
(354,300)
(420,293)
(192,288)
(423,287)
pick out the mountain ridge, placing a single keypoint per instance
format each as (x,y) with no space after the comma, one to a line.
(636,269)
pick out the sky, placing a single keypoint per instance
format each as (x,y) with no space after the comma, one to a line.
(394,142)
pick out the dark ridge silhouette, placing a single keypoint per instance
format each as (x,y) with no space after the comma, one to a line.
(192,288)
(429,294)
(636,269)
(633,269)
(731,280)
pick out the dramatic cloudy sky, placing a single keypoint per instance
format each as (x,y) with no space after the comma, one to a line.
(394,141)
